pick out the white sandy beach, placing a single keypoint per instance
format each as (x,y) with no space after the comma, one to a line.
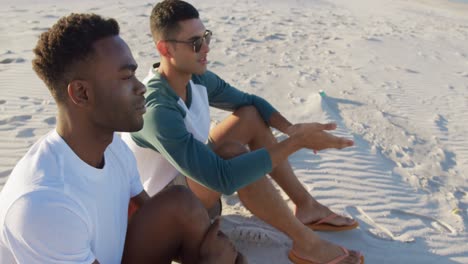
(394,76)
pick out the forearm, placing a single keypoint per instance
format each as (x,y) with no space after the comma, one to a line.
(227,175)
(278,121)
(281,151)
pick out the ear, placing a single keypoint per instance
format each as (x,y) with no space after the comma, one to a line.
(79,92)
(163,48)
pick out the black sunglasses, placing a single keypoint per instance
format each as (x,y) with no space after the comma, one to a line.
(197,42)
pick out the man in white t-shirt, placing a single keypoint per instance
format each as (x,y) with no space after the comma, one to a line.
(67,199)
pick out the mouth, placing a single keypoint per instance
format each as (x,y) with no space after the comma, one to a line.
(141,108)
(204,61)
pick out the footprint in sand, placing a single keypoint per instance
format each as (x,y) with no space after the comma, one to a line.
(376,230)
(5,173)
(463,74)
(216,64)
(15,119)
(241,231)
(447,159)
(427,220)
(381,232)
(277,36)
(252,40)
(51,16)
(253,82)
(460,194)
(295,99)
(37,101)
(441,122)
(12,60)
(39,110)
(255,235)
(411,71)
(373,39)
(41,29)
(463,55)
(25,133)
(50,121)
(20,118)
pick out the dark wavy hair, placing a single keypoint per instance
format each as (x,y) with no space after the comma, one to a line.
(67,43)
(166,15)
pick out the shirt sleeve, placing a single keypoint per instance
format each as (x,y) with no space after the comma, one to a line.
(42,227)
(222,95)
(165,130)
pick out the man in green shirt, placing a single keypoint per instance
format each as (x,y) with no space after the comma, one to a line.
(236,154)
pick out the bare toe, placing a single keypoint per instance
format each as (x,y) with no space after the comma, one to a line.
(353,258)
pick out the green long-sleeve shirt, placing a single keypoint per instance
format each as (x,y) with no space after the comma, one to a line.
(165,131)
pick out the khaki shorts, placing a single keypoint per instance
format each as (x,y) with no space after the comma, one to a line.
(181,179)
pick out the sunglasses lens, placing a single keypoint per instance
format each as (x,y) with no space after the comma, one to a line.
(197,44)
(208,38)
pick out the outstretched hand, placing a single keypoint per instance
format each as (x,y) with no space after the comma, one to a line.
(314,136)
(217,248)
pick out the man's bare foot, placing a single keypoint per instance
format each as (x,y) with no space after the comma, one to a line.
(324,252)
(314,212)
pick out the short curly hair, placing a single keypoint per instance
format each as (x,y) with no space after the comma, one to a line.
(66,43)
(166,15)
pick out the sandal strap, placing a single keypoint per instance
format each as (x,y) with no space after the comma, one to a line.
(340,258)
(326,219)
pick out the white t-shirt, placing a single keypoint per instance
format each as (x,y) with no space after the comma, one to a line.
(55,208)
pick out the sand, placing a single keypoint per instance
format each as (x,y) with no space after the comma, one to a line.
(394,76)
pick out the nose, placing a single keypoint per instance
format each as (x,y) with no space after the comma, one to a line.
(140,88)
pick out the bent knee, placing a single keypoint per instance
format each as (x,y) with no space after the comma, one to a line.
(249,113)
(231,149)
(180,204)
(171,200)
(182,195)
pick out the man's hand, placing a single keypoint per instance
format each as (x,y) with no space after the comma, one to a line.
(217,248)
(314,136)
